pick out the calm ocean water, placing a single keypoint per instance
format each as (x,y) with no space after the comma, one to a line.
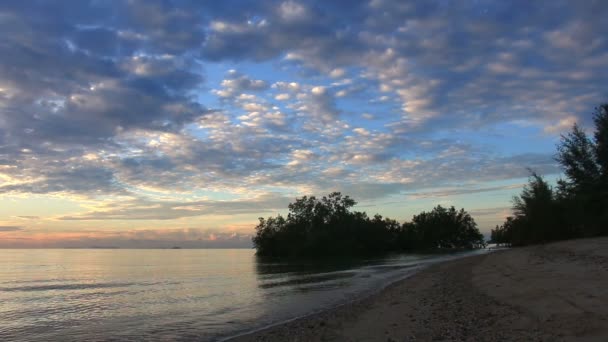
(167,295)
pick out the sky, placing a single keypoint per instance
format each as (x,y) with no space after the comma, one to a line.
(179,123)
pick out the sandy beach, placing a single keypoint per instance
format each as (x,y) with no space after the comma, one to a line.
(553,292)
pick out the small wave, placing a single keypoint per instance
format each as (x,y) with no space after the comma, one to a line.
(64,287)
(392,267)
(309,279)
(334,285)
(37,281)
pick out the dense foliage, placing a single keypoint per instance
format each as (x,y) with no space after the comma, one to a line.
(578,207)
(443,228)
(328,226)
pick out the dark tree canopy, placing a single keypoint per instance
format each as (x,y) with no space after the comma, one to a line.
(537,216)
(584,192)
(578,207)
(577,155)
(328,226)
(601,138)
(445,228)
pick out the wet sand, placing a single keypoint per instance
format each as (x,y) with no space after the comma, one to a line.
(553,292)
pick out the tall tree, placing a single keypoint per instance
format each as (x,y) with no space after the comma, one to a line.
(601,138)
(535,210)
(601,151)
(577,155)
(585,164)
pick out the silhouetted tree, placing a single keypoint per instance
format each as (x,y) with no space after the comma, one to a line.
(601,138)
(577,156)
(536,207)
(601,151)
(579,205)
(538,215)
(270,236)
(511,232)
(585,163)
(445,228)
(499,235)
(328,226)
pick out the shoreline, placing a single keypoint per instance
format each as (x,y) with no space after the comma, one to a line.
(367,295)
(509,295)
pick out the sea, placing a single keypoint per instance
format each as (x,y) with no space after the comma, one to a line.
(176,294)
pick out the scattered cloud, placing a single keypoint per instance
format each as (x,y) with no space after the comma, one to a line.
(236,84)
(455,192)
(142,209)
(163,110)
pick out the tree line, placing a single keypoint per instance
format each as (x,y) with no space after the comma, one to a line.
(328,226)
(577,206)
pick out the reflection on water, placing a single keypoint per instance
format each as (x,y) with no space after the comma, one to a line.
(75,295)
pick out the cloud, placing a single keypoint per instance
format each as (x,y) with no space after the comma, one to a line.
(404,52)
(142,106)
(282,97)
(236,84)
(562,125)
(456,192)
(319,104)
(67,89)
(337,73)
(166,210)
(78,180)
(503,212)
(296,28)
(10,228)
(466,167)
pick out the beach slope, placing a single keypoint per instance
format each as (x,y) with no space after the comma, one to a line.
(553,292)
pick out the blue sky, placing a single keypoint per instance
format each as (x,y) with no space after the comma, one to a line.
(154,123)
